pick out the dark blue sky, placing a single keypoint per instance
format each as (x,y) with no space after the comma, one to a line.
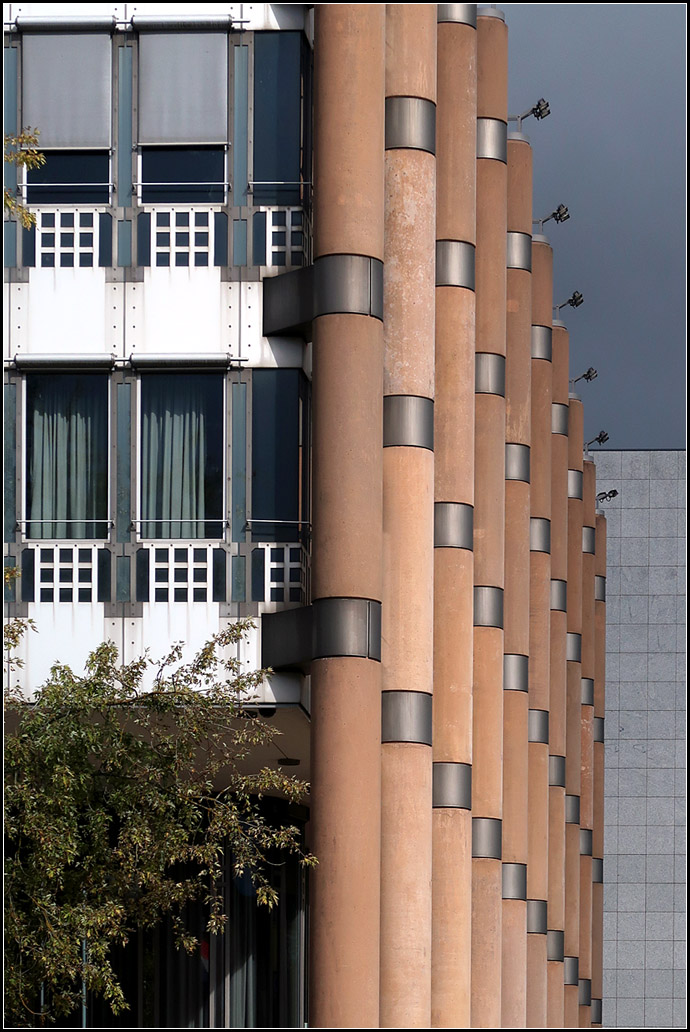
(613,150)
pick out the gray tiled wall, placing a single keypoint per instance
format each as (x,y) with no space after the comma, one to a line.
(644,863)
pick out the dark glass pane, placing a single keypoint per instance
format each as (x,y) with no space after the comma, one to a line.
(67,456)
(275,454)
(70,177)
(186,174)
(277,117)
(182,456)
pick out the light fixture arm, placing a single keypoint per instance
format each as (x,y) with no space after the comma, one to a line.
(539,110)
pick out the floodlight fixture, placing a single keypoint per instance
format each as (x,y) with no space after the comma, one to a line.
(606,496)
(601,438)
(559,214)
(588,375)
(575,300)
(539,110)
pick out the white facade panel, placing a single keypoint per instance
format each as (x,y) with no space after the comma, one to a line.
(66,313)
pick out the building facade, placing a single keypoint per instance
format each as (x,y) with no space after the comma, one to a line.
(282,345)
(644,891)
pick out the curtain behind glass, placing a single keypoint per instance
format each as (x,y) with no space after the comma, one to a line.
(181,456)
(67,456)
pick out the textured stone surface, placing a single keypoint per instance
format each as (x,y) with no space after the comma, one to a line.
(644,887)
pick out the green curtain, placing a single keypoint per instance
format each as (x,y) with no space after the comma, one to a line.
(67,456)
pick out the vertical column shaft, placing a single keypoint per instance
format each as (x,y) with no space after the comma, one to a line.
(408,515)
(517,581)
(456,123)
(540,612)
(586,741)
(489,518)
(573,768)
(347,517)
(598,751)
(557,695)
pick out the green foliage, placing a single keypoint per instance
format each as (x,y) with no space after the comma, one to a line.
(21,150)
(120,805)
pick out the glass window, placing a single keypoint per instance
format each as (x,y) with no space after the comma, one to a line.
(280,469)
(70,177)
(281,117)
(182,455)
(186,174)
(67,455)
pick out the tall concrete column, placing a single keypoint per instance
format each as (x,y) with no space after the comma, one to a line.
(598,750)
(408,515)
(489,518)
(573,713)
(517,581)
(347,515)
(539,632)
(453,510)
(557,692)
(586,741)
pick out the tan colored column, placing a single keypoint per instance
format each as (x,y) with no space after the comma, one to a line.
(586,742)
(598,750)
(456,137)
(408,515)
(347,515)
(573,712)
(557,696)
(540,622)
(517,582)
(489,518)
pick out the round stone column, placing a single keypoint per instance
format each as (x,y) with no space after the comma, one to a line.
(598,751)
(456,125)
(517,581)
(557,694)
(408,515)
(540,623)
(573,756)
(347,515)
(489,518)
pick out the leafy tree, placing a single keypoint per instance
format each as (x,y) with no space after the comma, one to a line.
(21,150)
(115,816)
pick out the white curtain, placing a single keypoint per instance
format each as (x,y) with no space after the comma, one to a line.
(67,483)
(173,456)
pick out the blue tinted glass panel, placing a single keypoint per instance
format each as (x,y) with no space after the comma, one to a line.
(70,177)
(187,174)
(277,117)
(275,454)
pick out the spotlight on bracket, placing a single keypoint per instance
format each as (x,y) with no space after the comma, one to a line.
(606,496)
(539,110)
(588,375)
(575,300)
(601,438)
(560,214)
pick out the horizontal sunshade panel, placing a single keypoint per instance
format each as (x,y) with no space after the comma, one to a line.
(67,88)
(183,87)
